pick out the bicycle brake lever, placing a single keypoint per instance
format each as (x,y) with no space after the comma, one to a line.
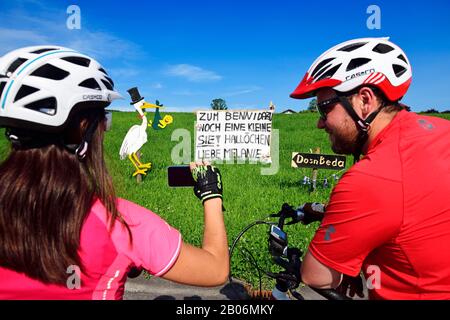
(286,210)
(293,221)
(275,215)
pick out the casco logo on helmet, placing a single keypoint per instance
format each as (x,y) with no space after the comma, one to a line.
(92,97)
(358,74)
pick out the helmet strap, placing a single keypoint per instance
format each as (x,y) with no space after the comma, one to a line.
(21,138)
(14,138)
(363,126)
(26,139)
(81,149)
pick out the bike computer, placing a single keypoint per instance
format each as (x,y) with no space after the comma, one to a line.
(277,241)
(277,233)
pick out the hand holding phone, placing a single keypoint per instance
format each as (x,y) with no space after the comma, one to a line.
(208,182)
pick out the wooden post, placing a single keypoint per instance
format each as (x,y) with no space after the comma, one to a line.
(138,176)
(314,173)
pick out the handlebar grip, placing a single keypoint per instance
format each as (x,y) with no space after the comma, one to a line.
(312,212)
(331,294)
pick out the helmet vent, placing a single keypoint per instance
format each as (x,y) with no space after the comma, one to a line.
(47,106)
(323,70)
(330,72)
(2,86)
(17,63)
(25,91)
(351,47)
(84,62)
(90,84)
(103,70)
(320,65)
(44,50)
(356,63)
(49,71)
(107,85)
(110,80)
(382,48)
(398,70)
(402,57)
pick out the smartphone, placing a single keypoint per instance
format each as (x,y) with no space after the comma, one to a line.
(180,176)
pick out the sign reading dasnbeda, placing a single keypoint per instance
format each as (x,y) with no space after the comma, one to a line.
(233,135)
(318,161)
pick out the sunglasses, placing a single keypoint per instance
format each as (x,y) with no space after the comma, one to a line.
(325,107)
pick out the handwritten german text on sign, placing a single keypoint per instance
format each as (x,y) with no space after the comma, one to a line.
(237,134)
(318,161)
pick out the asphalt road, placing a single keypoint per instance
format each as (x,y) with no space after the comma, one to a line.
(141,288)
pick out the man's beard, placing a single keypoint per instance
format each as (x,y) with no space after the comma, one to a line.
(344,139)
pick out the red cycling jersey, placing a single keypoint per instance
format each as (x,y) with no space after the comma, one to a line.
(389,215)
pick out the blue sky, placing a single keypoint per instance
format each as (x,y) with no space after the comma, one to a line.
(186,53)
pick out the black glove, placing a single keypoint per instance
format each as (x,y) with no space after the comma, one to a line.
(312,212)
(352,284)
(208,182)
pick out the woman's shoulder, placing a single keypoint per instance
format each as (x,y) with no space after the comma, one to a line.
(130,211)
(134,213)
(126,206)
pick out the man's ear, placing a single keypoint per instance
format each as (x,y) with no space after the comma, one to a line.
(367,101)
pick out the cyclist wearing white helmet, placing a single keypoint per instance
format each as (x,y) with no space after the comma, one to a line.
(387,216)
(58,209)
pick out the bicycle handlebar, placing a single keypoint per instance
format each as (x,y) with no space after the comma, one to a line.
(278,247)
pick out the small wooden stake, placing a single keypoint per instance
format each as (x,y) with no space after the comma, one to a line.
(314,173)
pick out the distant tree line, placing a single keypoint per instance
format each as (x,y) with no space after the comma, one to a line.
(432,110)
(220,104)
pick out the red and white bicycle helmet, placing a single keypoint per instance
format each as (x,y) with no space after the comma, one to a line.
(41,87)
(372,61)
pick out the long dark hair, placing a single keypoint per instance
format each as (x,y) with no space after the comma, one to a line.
(45,196)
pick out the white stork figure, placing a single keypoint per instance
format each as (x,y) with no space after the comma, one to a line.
(136,137)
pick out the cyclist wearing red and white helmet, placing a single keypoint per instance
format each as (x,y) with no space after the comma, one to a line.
(63,233)
(388,216)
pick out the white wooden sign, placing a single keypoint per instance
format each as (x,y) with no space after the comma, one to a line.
(233,135)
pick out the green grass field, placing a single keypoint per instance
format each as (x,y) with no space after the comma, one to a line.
(248,195)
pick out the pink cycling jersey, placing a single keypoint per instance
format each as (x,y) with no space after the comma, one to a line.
(107,256)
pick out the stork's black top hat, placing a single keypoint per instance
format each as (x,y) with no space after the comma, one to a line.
(135,95)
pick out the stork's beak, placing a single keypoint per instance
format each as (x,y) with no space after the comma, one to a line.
(147,105)
(144,106)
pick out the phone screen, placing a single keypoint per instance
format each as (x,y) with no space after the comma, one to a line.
(180,176)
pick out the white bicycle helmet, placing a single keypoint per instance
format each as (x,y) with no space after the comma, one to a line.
(372,61)
(41,87)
